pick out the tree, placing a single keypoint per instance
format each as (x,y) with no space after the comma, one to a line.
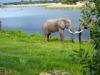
(30,1)
(91,13)
(69,1)
(91,62)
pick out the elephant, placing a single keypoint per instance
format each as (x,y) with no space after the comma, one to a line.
(80,30)
(85,25)
(82,26)
(57,25)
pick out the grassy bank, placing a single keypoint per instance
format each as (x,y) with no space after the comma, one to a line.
(65,6)
(21,54)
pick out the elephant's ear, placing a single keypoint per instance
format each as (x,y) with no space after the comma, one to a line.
(61,24)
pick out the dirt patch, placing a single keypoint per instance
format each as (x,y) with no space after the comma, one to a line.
(56,72)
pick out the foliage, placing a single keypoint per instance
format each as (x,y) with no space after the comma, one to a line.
(84,58)
(92,63)
(69,1)
(95,35)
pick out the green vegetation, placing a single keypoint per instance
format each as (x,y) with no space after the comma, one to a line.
(91,63)
(42,1)
(69,1)
(21,54)
(95,36)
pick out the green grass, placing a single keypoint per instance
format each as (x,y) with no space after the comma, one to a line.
(21,54)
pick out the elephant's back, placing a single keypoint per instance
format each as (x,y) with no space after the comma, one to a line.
(51,21)
(50,25)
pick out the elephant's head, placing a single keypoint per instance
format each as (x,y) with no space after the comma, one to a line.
(85,25)
(81,28)
(66,23)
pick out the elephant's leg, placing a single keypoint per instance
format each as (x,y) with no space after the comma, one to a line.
(61,35)
(47,36)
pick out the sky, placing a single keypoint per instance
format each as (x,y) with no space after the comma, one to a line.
(6,1)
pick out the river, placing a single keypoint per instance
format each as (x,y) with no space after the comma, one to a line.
(31,19)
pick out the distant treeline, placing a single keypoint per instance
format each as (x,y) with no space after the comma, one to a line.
(43,1)
(67,1)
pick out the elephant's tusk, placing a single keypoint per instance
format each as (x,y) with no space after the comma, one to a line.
(77,32)
(70,31)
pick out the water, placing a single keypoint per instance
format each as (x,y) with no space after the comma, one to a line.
(30,20)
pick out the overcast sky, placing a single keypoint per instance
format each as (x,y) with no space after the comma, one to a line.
(6,1)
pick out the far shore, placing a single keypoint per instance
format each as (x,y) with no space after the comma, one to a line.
(47,5)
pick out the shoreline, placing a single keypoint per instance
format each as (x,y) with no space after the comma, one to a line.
(59,5)
(47,5)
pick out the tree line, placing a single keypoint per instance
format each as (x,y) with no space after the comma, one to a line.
(43,1)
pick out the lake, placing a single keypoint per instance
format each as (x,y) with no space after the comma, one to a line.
(31,19)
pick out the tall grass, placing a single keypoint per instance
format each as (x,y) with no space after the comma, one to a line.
(23,54)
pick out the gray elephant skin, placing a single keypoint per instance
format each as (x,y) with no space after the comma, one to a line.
(57,25)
